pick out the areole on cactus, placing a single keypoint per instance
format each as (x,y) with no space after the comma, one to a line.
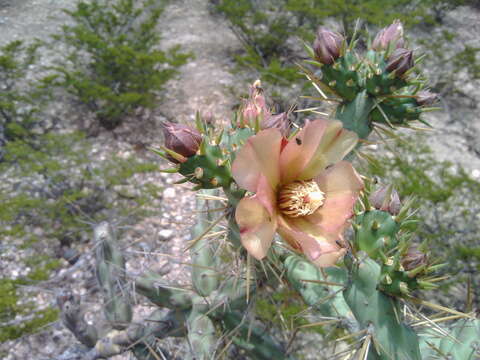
(302,190)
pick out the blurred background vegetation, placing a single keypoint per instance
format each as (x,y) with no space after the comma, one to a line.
(112,69)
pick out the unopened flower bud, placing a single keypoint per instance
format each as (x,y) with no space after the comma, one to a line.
(181,139)
(392,34)
(327,46)
(255,106)
(386,199)
(279,121)
(426,98)
(400,61)
(414,258)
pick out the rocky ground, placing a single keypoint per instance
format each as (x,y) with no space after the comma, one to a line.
(204,84)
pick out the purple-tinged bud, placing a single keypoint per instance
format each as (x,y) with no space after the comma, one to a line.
(181,139)
(279,121)
(386,198)
(327,46)
(414,258)
(426,98)
(392,34)
(400,61)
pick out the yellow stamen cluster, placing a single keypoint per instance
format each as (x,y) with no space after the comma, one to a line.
(300,198)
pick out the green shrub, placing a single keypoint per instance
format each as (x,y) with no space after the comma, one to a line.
(9,308)
(112,63)
(20,100)
(54,186)
(60,189)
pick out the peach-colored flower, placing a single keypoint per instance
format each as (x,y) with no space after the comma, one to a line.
(302,190)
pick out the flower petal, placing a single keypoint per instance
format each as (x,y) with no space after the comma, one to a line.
(259,155)
(339,177)
(341,185)
(317,246)
(335,144)
(329,258)
(257,226)
(299,151)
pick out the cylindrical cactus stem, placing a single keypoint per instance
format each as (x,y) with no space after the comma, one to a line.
(378,314)
(205,275)
(310,283)
(111,276)
(169,296)
(463,344)
(201,335)
(231,295)
(256,343)
(72,317)
(140,338)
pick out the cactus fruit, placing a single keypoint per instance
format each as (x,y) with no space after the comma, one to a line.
(209,169)
(342,76)
(375,233)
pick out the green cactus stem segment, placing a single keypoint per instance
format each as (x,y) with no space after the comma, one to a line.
(205,277)
(111,277)
(380,314)
(300,198)
(355,114)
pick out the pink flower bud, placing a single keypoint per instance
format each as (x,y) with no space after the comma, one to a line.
(392,34)
(255,106)
(426,98)
(327,46)
(400,61)
(279,121)
(386,199)
(414,258)
(181,139)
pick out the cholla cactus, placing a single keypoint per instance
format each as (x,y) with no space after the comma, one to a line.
(297,184)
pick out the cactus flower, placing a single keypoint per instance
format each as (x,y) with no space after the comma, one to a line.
(302,190)
(392,34)
(181,139)
(327,46)
(400,61)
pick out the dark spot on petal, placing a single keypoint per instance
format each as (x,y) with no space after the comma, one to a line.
(298,141)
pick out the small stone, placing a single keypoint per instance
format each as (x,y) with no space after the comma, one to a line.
(165,234)
(169,193)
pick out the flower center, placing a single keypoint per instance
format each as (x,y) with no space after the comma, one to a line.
(300,198)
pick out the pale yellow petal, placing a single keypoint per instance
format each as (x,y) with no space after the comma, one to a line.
(299,151)
(258,156)
(257,226)
(339,177)
(335,144)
